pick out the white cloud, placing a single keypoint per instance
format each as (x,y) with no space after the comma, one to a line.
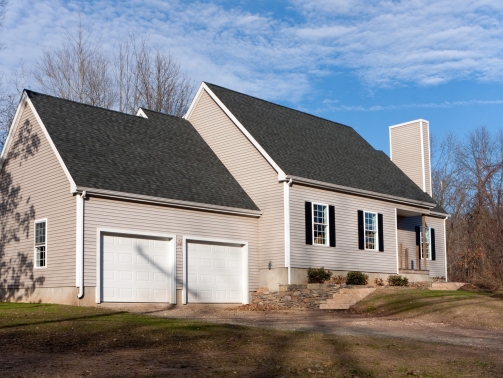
(385,43)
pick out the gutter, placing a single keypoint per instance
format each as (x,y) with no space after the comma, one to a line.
(80,244)
(366,193)
(165,201)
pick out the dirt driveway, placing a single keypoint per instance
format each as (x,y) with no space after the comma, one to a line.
(335,323)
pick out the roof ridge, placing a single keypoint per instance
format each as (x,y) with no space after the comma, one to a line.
(28,91)
(283,106)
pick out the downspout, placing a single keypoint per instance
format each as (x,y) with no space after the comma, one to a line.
(80,244)
(286,194)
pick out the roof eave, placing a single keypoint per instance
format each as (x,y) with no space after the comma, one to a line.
(167,201)
(361,192)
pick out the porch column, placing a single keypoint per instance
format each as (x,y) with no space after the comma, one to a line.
(424,240)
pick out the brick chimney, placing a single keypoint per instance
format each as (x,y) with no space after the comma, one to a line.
(410,151)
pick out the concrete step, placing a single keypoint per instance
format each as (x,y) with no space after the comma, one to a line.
(446,285)
(346,298)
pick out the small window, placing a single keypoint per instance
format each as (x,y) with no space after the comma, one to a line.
(428,242)
(41,244)
(320,224)
(371,231)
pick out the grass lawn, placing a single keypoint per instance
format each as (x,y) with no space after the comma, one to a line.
(53,340)
(459,308)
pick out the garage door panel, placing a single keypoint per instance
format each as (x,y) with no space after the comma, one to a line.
(214,272)
(135,269)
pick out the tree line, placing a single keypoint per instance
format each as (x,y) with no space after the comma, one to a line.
(133,74)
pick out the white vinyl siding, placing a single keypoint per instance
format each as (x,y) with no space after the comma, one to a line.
(34,185)
(141,217)
(252,172)
(346,256)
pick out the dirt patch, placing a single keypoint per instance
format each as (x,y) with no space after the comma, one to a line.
(50,341)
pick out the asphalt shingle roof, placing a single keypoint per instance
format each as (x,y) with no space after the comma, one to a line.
(162,156)
(307,146)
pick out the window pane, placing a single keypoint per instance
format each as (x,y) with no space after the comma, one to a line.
(40,257)
(370,240)
(40,233)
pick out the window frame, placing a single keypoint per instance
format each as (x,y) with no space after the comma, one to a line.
(376,231)
(327,224)
(428,244)
(40,244)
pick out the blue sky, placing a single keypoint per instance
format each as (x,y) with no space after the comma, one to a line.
(366,64)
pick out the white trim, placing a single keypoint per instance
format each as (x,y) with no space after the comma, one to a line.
(396,243)
(46,243)
(445,251)
(132,233)
(429,156)
(390,147)
(13,128)
(407,123)
(327,238)
(281,174)
(244,247)
(422,154)
(366,193)
(141,113)
(428,228)
(286,217)
(376,242)
(167,201)
(79,247)
(51,143)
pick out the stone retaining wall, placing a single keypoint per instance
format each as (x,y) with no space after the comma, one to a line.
(308,297)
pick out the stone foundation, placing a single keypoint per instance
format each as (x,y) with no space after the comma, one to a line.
(303,297)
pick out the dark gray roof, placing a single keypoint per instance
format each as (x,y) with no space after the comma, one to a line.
(162,156)
(318,149)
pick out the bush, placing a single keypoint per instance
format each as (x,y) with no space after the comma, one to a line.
(356,278)
(318,275)
(397,280)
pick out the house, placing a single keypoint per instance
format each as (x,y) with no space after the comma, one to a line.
(100,206)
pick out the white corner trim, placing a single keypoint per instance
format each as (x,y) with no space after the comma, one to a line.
(171,251)
(422,154)
(281,174)
(244,246)
(13,128)
(51,143)
(286,218)
(396,244)
(407,123)
(429,155)
(141,113)
(390,146)
(445,250)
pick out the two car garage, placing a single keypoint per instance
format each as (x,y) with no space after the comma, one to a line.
(143,268)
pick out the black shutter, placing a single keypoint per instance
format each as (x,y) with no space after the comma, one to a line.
(361,233)
(331,225)
(432,241)
(380,232)
(309,223)
(418,236)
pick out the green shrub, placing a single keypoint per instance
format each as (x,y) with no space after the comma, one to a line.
(356,278)
(318,275)
(397,280)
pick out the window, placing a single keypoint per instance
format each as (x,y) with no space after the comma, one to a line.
(41,244)
(320,224)
(370,231)
(428,242)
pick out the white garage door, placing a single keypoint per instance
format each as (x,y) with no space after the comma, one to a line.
(135,269)
(215,273)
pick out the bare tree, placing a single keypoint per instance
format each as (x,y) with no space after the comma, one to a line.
(79,70)
(151,79)
(3,7)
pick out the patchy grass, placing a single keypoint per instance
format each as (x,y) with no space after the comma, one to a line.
(52,340)
(459,308)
